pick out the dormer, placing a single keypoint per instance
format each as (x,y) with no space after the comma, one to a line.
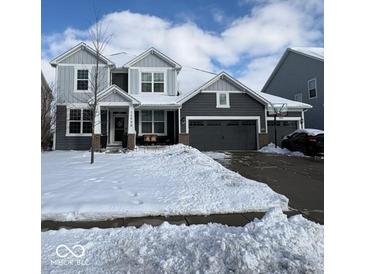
(152,72)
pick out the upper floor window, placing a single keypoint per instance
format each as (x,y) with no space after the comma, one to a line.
(222,100)
(82,79)
(79,121)
(312,88)
(153,82)
(298,97)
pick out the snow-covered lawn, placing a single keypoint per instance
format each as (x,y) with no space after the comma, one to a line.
(274,244)
(173,180)
(270,148)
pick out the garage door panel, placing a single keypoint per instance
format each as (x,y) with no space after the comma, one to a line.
(223,134)
(283,128)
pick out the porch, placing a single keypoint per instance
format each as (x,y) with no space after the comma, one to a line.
(126,127)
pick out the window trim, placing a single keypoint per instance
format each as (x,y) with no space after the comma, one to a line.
(82,67)
(153,71)
(218,103)
(315,84)
(81,122)
(140,133)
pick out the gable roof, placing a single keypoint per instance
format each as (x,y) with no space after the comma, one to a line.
(115,89)
(224,75)
(152,50)
(311,52)
(75,49)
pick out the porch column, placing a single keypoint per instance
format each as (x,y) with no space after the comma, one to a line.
(97,129)
(97,120)
(131,129)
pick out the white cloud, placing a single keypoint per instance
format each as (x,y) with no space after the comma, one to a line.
(258,37)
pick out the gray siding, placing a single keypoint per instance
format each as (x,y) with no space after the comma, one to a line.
(204,104)
(65,85)
(171,82)
(290,114)
(64,142)
(81,57)
(134,81)
(114,97)
(292,77)
(222,85)
(152,60)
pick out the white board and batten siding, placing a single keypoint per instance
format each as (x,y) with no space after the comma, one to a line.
(154,63)
(66,77)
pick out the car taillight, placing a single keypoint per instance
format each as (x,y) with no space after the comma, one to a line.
(311,139)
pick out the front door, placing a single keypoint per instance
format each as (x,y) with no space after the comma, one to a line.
(118,129)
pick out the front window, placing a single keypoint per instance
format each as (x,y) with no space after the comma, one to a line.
(153,82)
(82,79)
(312,88)
(222,100)
(79,121)
(153,122)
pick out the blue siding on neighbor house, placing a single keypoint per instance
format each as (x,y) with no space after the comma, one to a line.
(292,78)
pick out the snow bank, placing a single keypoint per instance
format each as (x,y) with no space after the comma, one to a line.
(270,148)
(274,244)
(173,180)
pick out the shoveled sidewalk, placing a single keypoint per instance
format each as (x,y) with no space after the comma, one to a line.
(236,219)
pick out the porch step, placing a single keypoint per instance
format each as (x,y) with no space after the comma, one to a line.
(114,149)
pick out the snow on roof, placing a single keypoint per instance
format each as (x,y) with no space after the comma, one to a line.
(156,99)
(279,100)
(121,58)
(310,51)
(189,79)
(309,131)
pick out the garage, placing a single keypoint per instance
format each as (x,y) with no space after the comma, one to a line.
(283,128)
(209,135)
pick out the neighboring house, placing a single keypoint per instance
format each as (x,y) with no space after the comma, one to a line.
(46,113)
(299,76)
(151,95)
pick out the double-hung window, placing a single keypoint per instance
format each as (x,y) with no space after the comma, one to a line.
(222,100)
(153,122)
(79,121)
(82,80)
(312,88)
(153,82)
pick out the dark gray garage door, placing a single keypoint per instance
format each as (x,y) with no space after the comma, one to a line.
(282,128)
(209,135)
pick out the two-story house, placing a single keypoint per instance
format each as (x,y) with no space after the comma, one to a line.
(299,76)
(151,97)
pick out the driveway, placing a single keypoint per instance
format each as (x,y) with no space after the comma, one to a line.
(298,178)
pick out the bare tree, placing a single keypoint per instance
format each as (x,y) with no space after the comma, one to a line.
(47,113)
(99,39)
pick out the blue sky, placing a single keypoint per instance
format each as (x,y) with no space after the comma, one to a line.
(243,37)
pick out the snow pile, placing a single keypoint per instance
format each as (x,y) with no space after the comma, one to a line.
(274,244)
(173,180)
(270,148)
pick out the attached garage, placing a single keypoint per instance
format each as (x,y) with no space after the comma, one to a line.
(209,135)
(283,128)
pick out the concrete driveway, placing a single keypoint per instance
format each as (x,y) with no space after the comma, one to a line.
(298,178)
